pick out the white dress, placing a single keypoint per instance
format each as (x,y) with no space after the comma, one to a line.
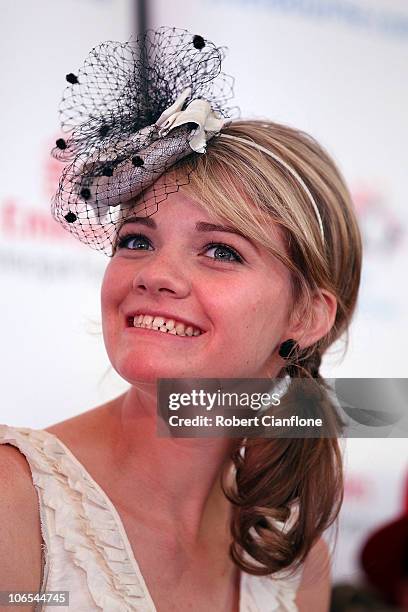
(86,550)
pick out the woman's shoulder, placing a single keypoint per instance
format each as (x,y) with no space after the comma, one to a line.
(15,469)
(18,493)
(20,528)
(88,436)
(85,428)
(307,588)
(315,585)
(275,592)
(15,473)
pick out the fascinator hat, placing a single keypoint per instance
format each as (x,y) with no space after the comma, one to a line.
(131,113)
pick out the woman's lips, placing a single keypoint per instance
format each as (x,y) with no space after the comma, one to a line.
(152,332)
(131,328)
(177,320)
(171,326)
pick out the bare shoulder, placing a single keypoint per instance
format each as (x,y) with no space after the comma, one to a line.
(82,421)
(20,530)
(84,426)
(90,436)
(314,591)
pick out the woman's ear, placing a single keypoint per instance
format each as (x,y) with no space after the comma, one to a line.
(306,331)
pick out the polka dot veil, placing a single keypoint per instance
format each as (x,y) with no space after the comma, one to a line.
(130,114)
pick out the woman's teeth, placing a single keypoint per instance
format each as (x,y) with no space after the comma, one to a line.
(169,326)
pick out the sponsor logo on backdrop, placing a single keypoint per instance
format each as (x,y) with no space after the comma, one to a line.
(382,229)
(33,243)
(358,488)
(21,220)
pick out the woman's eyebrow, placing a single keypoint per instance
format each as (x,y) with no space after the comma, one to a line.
(201,226)
(143,220)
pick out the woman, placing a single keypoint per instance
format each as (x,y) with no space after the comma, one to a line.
(132,521)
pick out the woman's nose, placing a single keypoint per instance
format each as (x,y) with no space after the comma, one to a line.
(162,275)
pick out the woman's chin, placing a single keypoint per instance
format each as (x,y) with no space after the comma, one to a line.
(134,368)
(145,374)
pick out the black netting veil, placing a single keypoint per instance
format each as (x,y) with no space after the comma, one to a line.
(113,150)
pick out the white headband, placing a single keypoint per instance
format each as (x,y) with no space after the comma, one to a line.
(285,165)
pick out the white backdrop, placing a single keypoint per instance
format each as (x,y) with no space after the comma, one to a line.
(53,361)
(334,68)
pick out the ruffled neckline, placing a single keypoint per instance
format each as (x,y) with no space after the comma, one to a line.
(119,524)
(90,526)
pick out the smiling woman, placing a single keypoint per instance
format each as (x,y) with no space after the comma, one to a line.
(236,257)
(175,272)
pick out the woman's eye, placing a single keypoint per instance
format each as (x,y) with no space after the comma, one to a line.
(222,252)
(226,249)
(128,241)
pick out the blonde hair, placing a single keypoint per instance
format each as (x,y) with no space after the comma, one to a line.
(251,191)
(232,177)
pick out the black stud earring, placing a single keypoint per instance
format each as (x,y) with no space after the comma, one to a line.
(286,348)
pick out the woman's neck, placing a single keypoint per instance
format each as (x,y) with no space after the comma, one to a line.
(179,477)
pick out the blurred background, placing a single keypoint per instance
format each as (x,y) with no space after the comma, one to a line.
(334,68)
